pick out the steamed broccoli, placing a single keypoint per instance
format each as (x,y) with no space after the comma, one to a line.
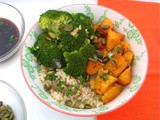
(87,50)
(77,60)
(46,51)
(84,21)
(76,63)
(54,21)
(70,43)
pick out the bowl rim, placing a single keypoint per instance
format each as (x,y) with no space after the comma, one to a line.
(16,47)
(76,114)
(19,97)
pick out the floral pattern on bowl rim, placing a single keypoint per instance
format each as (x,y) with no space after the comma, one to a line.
(97,14)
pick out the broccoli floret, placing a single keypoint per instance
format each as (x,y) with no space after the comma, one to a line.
(76,63)
(54,21)
(46,51)
(87,50)
(77,60)
(84,21)
(70,43)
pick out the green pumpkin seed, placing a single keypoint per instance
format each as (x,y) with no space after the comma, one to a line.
(68,103)
(3,107)
(113,61)
(120,50)
(92,59)
(77,104)
(50,73)
(103,41)
(2,113)
(7,114)
(95,57)
(48,38)
(68,28)
(105,60)
(47,84)
(105,77)
(57,63)
(95,40)
(105,27)
(87,106)
(51,34)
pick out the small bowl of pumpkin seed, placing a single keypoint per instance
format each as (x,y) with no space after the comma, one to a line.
(12,106)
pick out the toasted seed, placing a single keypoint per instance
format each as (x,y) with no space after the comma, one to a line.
(113,61)
(7,114)
(105,60)
(87,106)
(103,41)
(91,37)
(120,50)
(50,73)
(48,38)
(95,40)
(99,54)
(57,63)
(9,108)
(104,27)
(100,60)
(2,113)
(3,107)
(68,28)
(47,84)
(11,117)
(105,71)
(51,34)
(95,57)
(87,77)
(92,59)
(77,104)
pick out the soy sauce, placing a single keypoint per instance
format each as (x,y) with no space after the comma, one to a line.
(9,35)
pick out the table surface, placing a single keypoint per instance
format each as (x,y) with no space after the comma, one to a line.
(10,70)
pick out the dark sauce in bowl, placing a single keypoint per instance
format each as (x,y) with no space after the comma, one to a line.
(9,36)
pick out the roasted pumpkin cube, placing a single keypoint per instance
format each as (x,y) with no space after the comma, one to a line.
(103,51)
(92,83)
(93,67)
(125,77)
(95,27)
(118,67)
(99,80)
(125,46)
(108,83)
(113,39)
(112,93)
(128,56)
(105,26)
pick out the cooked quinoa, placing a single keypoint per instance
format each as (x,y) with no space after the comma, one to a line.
(68,90)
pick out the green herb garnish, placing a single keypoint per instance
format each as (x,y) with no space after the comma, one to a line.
(69,91)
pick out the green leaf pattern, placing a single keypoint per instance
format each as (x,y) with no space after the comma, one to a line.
(132,33)
(135,80)
(102,17)
(89,12)
(118,23)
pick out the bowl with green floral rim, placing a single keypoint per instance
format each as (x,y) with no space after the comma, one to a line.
(97,14)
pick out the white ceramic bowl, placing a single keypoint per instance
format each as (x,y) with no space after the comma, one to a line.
(97,14)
